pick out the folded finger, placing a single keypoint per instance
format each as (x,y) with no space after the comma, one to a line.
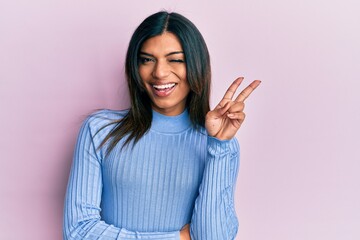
(237,116)
(237,107)
(224,109)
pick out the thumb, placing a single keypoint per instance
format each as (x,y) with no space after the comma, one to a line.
(222,110)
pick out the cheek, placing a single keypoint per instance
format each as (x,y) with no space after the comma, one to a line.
(185,87)
(142,72)
(188,88)
(145,75)
(182,72)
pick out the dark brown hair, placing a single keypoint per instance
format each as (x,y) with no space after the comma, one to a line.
(138,119)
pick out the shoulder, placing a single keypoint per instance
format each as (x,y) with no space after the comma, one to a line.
(103,120)
(106,115)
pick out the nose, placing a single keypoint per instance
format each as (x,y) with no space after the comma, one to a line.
(161,70)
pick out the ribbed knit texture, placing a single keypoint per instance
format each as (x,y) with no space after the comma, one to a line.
(174,175)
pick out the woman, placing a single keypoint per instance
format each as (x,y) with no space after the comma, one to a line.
(166,168)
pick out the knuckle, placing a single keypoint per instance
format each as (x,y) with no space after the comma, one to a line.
(242,105)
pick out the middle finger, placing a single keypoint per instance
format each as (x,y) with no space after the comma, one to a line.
(232,89)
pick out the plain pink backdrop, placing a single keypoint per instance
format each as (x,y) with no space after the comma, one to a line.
(300,160)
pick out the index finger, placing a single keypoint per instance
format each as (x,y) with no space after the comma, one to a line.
(247,91)
(232,89)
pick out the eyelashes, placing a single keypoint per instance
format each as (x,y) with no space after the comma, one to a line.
(144,60)
(177,60)
(147,60)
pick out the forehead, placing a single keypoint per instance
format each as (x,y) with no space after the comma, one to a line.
(162,44)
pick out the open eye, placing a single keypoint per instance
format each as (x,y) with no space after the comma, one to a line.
(144,60)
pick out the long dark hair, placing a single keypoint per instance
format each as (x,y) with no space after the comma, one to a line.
(138,119)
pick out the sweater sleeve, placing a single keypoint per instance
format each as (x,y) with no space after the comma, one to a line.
(214,214)
(82,219)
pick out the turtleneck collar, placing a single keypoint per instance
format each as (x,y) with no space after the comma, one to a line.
(170,124)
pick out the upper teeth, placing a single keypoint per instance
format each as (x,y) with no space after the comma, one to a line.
(170,85)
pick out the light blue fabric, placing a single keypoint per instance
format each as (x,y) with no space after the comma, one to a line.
(174,175)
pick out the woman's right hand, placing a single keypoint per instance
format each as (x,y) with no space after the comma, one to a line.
(225,120)
(185,233)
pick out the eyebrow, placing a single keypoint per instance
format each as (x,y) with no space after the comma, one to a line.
(171,53)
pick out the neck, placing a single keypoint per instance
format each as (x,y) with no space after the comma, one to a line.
(170,124)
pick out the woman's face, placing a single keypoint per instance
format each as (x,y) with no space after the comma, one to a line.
(162,68)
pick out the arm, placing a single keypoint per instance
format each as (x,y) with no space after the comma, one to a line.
(214,214)
(82,218)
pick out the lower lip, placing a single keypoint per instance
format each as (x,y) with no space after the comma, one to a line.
(163,93)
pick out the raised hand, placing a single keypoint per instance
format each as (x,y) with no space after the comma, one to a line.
(225,120)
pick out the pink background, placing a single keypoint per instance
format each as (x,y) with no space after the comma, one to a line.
(299,176)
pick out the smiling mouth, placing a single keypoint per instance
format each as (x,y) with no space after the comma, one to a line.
(163,90)
(164,87)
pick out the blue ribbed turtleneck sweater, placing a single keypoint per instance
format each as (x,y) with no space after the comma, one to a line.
(173,175)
